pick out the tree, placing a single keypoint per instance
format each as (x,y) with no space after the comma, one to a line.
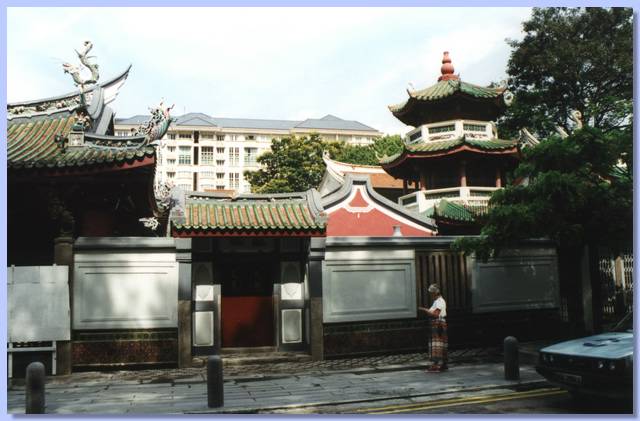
(370,154)
(293,164)
(577,195)
(571,59)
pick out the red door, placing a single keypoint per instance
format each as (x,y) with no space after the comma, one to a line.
(247,321)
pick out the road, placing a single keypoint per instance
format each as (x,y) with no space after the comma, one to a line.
(543,399)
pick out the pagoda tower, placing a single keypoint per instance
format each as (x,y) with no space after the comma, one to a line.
(453,156)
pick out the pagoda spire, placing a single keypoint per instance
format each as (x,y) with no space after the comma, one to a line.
(447,69)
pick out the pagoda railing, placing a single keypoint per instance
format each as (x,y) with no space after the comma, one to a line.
(425,199)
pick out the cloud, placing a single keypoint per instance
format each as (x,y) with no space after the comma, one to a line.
(283,63)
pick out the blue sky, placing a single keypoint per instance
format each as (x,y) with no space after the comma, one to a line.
(275,63)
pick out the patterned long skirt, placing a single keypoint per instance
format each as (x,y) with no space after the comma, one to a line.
(439,341)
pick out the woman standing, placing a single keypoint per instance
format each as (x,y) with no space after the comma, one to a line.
(439,337)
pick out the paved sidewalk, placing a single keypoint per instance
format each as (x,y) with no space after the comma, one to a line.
(246,391)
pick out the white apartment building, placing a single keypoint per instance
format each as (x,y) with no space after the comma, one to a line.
(206,153)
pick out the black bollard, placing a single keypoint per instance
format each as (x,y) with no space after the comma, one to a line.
(511,363)
(215,388)
(34,385)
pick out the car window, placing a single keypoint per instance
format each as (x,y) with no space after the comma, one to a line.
(626,324)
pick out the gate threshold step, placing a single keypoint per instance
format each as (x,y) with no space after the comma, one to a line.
(242,357)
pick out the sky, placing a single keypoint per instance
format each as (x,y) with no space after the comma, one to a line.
(271,63)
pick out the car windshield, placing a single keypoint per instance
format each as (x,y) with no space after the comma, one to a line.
(626,324)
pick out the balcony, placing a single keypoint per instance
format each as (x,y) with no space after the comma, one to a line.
(453,129)
(422,200)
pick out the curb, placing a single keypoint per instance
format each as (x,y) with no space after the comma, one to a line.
(254,410)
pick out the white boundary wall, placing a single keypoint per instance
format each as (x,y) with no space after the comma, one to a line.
(38,303)
(120,289)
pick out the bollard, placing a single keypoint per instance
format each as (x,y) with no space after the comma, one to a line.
(511,363)
(34,388)
(215,388)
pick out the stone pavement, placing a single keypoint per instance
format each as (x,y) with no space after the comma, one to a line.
(252,388)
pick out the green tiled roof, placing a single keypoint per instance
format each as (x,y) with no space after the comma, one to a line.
(452,211)
(447,88)
(443,145)
(226,215)
(31,144)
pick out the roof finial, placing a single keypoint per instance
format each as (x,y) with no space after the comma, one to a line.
(447,68)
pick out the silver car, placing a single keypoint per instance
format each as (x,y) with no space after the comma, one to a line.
(599,365)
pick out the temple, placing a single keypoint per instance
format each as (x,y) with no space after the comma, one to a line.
(453,155)
(80,178)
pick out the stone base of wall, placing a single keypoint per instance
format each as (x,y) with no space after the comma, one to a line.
(465,331)
(97,349)
(369,338)
(490,329)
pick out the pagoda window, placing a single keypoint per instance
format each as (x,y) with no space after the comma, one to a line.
(445,178)
(207,155)
(184,155)
(442,129)
(414,137)
(479,175)
(475,127)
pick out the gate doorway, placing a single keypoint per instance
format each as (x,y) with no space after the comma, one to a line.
(247,302)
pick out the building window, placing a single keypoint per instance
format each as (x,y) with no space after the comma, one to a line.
(171,148)
(184,173)
(220,162)
(171,162)
(206,136)
(442,129)
(220,187)
(234,157)
(206,187)
(206,155)
(184,136)
(171,174)
(220,137)
(250,155)
(172,136)
(234,137)
(220,176)
(474,127)
(207,174)
(220,151)
(185,186)
(184,155)
(234,180)
(250,137)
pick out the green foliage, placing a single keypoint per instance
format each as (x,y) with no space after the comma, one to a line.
(571,59)
(295,164)
(573,196)
(370,154)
